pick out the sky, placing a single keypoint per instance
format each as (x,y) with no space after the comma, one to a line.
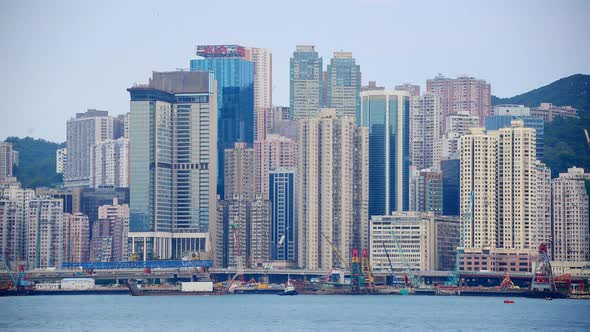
(62,57)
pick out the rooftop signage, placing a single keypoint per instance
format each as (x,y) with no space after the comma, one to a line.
(209,51)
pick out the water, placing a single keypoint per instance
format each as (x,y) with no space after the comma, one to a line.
(290,313)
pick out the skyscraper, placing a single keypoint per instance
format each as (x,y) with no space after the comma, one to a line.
(118,216)
(109,163)
(386,114)
(305,82)
(274,152)
(282,198)
(6,161)
(76,237)
(262,58)
(450,169)
(45,233)
(239,171)
(344,85)
(426,116)
(13,221)
(462,94)
(235,75)
(172,164)
(83,132)
(499,193)
(427,192)
(570,216)
(61,158)
(495,122)
(332,189)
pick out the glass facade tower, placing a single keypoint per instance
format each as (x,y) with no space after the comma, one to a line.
(386,114)
(235,100)
(344,85)
(495,122)
(306,70)
(282,197)
(172,164)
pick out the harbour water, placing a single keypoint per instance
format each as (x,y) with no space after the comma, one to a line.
(290,313)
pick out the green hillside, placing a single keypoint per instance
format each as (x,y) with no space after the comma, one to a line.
(569,91)
(565,144)
(37,162)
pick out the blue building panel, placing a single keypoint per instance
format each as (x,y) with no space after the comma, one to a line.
(495,122)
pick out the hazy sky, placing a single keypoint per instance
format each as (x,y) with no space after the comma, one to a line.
(58,58)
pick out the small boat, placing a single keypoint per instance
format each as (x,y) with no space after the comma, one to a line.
(289,290)
(548,298)
(509,301)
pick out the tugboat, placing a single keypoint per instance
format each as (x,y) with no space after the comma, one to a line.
(289,289)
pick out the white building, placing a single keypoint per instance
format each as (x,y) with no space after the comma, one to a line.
(571,240)
(499,188)
(14,207)
(418,238)
(6,161)
(61,158)
(332,189)
(109,162)
(83,132)
(426,121)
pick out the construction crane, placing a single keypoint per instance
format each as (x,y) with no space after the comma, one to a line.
(238,255)
(415,281)
(337,252)
(393,277)
(453,278)
(18,281)
(367,272)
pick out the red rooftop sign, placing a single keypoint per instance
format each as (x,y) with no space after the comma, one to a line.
(220,51)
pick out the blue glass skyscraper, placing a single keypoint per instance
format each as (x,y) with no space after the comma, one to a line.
(344,85)
(235,97)
(387,115)
(495,122)
(281,193)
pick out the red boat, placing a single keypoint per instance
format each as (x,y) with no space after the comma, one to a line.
(508,301)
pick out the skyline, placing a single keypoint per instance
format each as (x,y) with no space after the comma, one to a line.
(95,39)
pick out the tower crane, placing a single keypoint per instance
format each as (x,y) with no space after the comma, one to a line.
(415,281)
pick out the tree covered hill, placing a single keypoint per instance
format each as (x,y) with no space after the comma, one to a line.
(36,162)
(569,91)
(565,144)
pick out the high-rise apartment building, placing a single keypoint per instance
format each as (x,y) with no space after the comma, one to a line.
(45,233)
(571,241)
(14,208)
(235,77)
(458,125)
(306,70)
(332,189)
(244,232)
(511,110)
(344,85)
(6,161)
(427,192)
(274,152)
(499,193)
(426,131)
(542,229)
(239,171)
(83,132)
(262,58)
(109,164)
(462,94)
(173,164)
(282,198)
(412,89)
(386,114)
(61,158)
(76,238)
(118,217)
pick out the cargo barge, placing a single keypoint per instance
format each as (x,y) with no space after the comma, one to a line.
(184,289)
